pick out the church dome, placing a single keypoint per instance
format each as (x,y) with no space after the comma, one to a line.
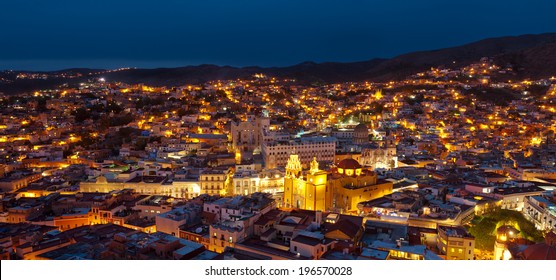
(101,180)
(361,128)
(349,167)
(360,134)
(349,163)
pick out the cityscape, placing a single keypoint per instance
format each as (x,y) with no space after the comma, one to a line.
(423,168)
(115,144)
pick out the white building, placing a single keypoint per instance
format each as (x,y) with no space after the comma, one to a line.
(541,210)
(276,154)
(249,181)
(213,181)
(235,217)
(170,221)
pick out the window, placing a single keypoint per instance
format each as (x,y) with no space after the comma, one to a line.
(230,239)
(295,248)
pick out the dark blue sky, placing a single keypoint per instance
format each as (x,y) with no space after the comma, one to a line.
(55,34)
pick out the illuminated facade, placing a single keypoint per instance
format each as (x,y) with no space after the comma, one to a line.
(151,185)
(456,243)
(276,153)
(251,181)
(380,157)
(340,189)
(248,135)
(13,184)
(224,235)
(214,182)
(305,193)
(540,210)
(349,184)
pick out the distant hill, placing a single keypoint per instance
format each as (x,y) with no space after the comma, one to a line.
(503,49)
(534,56)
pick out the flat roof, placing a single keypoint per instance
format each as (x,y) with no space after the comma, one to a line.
(208,136)
(147,179)
(306,240)
(516,190)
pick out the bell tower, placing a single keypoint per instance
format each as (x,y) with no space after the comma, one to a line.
(314,166)
(293,181)
(293,167)
(390,157)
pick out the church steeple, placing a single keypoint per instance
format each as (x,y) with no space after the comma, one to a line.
(293,167)
(390,139)
(314,166)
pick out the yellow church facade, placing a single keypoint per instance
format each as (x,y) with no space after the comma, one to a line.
(340,189)
(307,192)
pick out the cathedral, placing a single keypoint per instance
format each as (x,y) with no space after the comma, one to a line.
(340,189)
(378,153)
(378,156)
(304,191)
(349,183)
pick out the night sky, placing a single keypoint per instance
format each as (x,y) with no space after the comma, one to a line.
(57,34)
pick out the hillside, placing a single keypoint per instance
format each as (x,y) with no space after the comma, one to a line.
(533,56)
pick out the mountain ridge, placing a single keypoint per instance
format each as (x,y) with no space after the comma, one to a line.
(534,55)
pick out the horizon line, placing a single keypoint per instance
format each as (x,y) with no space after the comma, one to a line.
(176,64)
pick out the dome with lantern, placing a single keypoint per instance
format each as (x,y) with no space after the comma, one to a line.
(349,167)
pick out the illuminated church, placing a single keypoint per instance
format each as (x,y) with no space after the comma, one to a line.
(383,156)
(375,154)
(340,189)
(304,192)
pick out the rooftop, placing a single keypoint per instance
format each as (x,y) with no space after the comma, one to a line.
(148,179)
(455,232)
(517,190)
